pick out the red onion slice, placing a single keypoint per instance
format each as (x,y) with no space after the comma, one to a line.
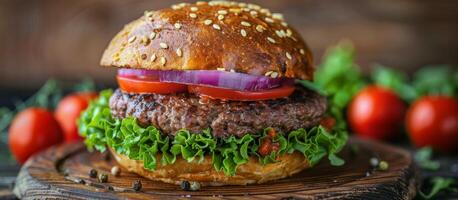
(223,79)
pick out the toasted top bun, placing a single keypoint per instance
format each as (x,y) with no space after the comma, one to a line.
(217,35)
(203,172)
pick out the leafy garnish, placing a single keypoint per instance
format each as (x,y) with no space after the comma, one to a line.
(431,80)
(395,80)
(127,137)
(339,78)
(436,80)
(439,184)
(423,159)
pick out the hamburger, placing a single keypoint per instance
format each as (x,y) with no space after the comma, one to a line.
(208,93)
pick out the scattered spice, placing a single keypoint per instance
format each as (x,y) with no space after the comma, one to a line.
(195,186)
(103,178)
(137,185)
(185,185)
(383,165)
(93,173)
(66,172)
(374,162)
(115,171)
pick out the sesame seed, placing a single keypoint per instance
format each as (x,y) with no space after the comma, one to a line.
(244,23)
(302,51)
(208,22)
(144,56)
(199,3)
(278,16)
(193,15)
(265,11)
(243,32)
(220,69)
(179,52)
(163,61)
(274,75)
(148,14)
(246,9)
(194,9)
(268,73)
(177,25)
(288,55)
(132,39)
(220,17)
(152,36)
(279,33)
(175,7)
(270,20)
(260,28)
(145,40)
(216,26)
(284,24)
(242,5)
(153,57)
(271,40)
(222,12)
(163,45)
(289,33)
(182,4)
(235,10)
(254,6)
(253,13)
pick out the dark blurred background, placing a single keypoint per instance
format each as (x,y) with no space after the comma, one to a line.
(64,40)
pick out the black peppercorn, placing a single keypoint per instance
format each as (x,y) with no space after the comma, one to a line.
(103,178)
(110,188)
(137,185)
(93,173)
(185,185)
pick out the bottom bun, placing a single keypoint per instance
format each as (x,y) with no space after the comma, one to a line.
(249,173)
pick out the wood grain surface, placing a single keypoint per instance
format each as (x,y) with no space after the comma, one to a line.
(55,173)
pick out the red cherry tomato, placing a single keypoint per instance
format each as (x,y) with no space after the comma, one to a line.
(33,130)
(68,111)
(137,85)
(376,113)
(228,94)
(433,121)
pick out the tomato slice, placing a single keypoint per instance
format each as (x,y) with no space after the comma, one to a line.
(228,94)
(136,85)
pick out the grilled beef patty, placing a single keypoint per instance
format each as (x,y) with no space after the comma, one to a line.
(170,113)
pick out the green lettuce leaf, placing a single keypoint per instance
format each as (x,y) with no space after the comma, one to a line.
(147,144)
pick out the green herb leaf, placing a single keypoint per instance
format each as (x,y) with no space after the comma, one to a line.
(423,158)
(339,78)
(395,80)
(436,80)
(125,136)
(86,85)
(439,184)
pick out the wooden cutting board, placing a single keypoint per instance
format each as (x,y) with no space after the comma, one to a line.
(43,176)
